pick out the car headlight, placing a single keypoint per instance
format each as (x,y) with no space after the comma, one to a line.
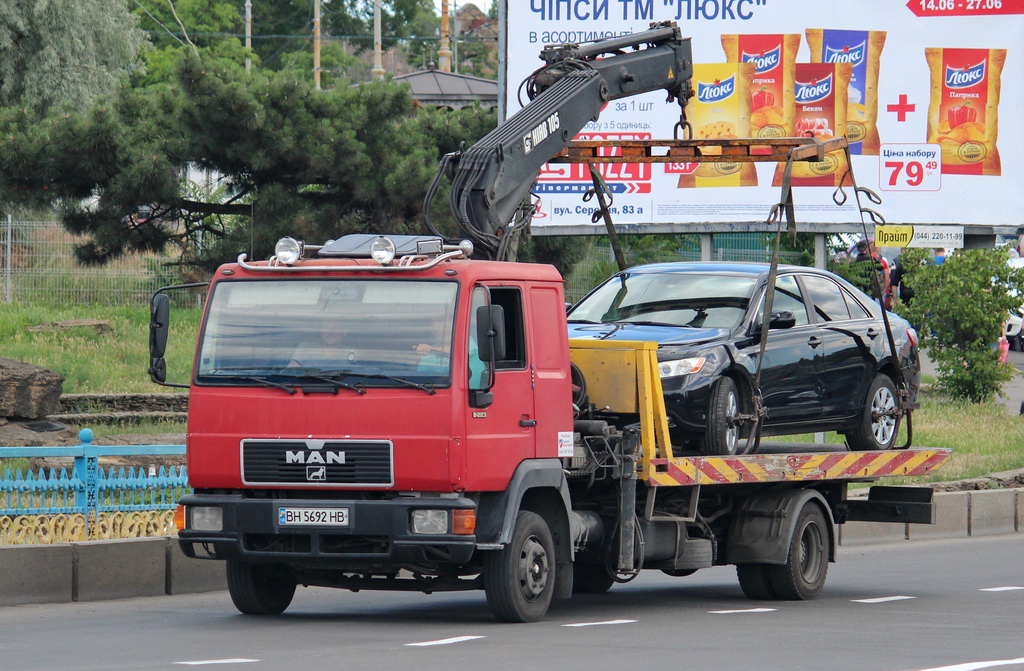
(676,367)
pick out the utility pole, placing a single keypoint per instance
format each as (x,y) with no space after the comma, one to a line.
(444,53)
(378,65)
(248,34)
(316,44)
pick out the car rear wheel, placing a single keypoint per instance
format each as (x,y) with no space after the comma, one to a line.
(878,424)
(725,433)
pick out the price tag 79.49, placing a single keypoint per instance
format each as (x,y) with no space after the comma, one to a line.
(910,167)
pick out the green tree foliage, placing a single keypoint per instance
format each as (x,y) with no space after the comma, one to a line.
(291,160)
(959,309)
(64,51)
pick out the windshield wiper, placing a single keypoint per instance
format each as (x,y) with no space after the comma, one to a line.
(645,323)
(359,389)
(262,381)
(401,380)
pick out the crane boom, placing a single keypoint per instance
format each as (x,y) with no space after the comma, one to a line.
(492,180)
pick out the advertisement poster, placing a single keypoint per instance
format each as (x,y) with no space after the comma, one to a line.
(930,94)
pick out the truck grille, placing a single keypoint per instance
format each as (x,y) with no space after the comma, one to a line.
(316,463)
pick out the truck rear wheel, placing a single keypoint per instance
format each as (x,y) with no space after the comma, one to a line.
(803,575)
(519,579)
(755,583)
(259,589)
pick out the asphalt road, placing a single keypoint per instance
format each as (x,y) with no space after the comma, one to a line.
(914,606)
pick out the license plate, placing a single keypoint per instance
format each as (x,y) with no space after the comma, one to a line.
(332,517)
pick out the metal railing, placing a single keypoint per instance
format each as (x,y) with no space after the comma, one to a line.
(90,489)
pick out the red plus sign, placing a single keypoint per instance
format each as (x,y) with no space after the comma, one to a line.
(902,108)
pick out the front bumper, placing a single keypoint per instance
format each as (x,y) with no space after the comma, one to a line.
(378,534)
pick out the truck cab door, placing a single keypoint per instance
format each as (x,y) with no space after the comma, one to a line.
(501,431)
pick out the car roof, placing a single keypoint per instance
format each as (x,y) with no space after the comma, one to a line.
(716,267)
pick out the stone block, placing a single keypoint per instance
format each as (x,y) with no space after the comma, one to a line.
(993,512)
(870,533)
(120,569)
(27,391)
(35,574)
(951,518)
(188,576)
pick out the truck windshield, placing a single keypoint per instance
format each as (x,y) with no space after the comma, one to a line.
(358,332)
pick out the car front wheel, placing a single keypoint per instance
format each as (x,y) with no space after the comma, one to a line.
(725,433)
(879,423)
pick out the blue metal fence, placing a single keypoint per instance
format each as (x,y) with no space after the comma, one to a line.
(89,488)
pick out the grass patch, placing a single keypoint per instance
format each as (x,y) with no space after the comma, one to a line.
(91,362)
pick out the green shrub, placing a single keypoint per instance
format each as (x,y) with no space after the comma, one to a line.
(959,310)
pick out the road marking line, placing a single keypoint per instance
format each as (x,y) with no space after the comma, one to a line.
(598,624)
(973,666)
(743,610)
(883,599)
(1007,588)
(202,662)
(445,641)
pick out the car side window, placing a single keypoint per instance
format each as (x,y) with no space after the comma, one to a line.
(789,297)
(857,311)
(827,298)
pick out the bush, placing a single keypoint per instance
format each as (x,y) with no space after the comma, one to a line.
(959,309)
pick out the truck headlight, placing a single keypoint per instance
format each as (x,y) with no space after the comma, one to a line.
(382,250)
(676,367)
(207,518)
(430,522)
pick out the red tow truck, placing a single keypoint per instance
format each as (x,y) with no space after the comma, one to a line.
(387,412)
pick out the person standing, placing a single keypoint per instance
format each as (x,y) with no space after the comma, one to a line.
(872,262)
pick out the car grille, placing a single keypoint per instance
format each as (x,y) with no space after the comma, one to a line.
(316,463)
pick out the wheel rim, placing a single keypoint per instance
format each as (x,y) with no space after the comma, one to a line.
(812,549)
(883,422)
(533,568)
(732,428)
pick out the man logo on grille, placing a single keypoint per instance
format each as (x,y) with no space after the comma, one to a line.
(316,473)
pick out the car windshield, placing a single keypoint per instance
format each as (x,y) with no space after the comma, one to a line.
(349,332)
(697,300)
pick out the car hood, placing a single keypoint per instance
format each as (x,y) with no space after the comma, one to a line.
(664,335)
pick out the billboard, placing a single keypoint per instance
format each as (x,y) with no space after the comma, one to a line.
(930,94)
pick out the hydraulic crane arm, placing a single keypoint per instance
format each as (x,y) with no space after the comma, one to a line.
(492,180)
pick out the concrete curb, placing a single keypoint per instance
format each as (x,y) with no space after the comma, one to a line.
(103,570)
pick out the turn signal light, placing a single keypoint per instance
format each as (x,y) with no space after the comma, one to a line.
(464,522)
(179,518)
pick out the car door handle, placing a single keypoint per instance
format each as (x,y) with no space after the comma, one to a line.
(873,333)
(527,422)
(814,341)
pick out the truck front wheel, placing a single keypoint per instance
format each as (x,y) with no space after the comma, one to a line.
(259,589)
(519,579)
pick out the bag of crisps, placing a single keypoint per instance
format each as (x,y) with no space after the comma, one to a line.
(771,92)
(863,50)
(963,113)
(720,109)
(820,98)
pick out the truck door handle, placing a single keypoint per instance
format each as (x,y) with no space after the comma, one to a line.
(527,422)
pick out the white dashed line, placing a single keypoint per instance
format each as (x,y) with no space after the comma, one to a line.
(883,599)
(598,624)
(1007,588)
(444,641)
(742,610)
(204,662)
(973,666)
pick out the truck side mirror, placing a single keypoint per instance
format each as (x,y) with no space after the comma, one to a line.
(490,333)
(159,318)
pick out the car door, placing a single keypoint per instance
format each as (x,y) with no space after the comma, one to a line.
(847,338)
(793,360)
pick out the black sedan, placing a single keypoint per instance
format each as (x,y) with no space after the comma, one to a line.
(828,364)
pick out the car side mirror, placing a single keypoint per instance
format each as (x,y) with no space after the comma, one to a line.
(783,319)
